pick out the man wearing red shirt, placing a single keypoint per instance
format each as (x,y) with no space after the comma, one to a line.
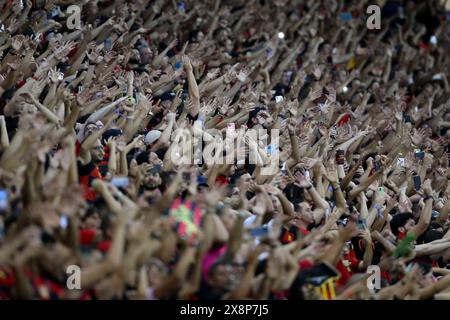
(303,218)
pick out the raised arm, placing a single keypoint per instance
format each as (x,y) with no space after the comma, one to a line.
(193,88)
(425,216)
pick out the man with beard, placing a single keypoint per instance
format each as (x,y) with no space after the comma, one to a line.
(90,171)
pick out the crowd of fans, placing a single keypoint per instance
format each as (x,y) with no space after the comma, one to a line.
(357,207)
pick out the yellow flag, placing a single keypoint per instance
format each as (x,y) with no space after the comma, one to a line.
(351,64)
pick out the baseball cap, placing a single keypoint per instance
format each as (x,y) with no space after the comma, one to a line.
(202,181)
(152,136)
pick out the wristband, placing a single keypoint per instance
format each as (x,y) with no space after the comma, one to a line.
(219,207)
(309,187)
(242,214)
(427,197)
(377,207)
(117,111)
(130,101)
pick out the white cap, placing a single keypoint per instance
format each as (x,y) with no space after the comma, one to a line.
(152,136)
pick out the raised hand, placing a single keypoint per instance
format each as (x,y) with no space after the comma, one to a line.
(317,72)
(186,63)
(272,189)
(173,43)
(253,187)
(324,108)
(229,76)
(213,74)
(291,125)
(93,53)
(419,136)
(207,108)
(121,26)
(63,50)
(242,75)
(83,96)
(331,93)
(55,75)
(309,163)
(260,207)
(331,174)
(315,94)
(18,41)
(427,187)
(214,196)
(349,231)
(301,180)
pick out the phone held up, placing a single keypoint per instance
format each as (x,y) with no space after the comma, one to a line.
(417,182)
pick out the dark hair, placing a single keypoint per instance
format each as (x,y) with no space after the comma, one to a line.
(261,267)
(235,177)
(89,212)
(217,264)
(142,157)
(435,225)
(238,173)
(98,206)
(83,119)
(358,247)
(166,179)
(429,236)
(110,133)
(254,113)
(105,225)
(399,220)
(425,267)
(295,194)
(8,94)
